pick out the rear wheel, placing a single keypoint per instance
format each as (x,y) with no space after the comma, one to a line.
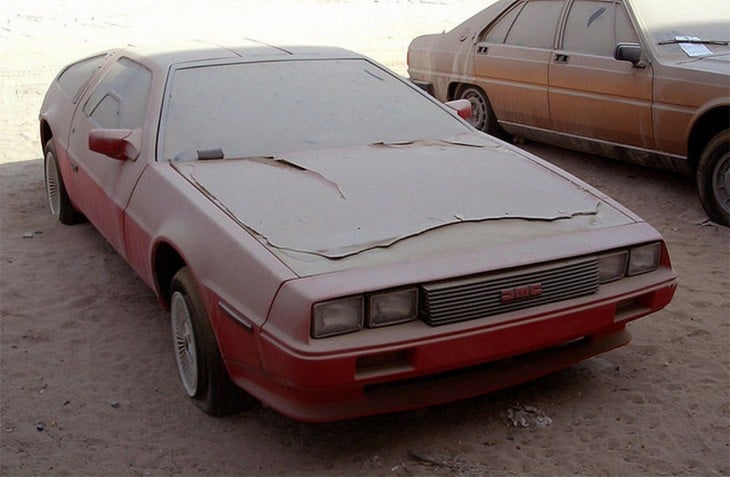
(713,178)
(199,363)
(482,115)
(58,201)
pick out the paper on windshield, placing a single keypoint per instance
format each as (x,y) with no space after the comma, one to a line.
(692,49)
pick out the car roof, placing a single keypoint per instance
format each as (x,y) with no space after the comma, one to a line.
(165,55)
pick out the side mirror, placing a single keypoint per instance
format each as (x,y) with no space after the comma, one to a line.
(461,106)
(629,52)
(119,144)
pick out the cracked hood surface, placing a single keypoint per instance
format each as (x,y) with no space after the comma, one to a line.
(339,203)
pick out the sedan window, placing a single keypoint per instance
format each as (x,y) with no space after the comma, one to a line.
(595,27)
(498,32)
(666,22)
(536,24)
(268,108)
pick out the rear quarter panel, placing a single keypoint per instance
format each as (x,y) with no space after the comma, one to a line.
(442,59)
(56,111)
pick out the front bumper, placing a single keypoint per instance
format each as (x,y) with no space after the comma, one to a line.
(452,363)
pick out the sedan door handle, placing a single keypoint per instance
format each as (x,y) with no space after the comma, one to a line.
(561,58)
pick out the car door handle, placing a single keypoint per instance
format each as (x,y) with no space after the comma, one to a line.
(561,58)
(482,49)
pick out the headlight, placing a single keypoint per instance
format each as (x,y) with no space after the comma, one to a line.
(612,266)
(337,317)
(392,307)
(644,259)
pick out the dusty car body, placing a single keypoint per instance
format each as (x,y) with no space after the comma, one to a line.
(646,81)
(337,254)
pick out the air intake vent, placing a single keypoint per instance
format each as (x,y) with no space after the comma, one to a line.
(451,301)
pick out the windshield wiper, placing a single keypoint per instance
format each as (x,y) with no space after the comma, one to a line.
(694,42)
(199,155)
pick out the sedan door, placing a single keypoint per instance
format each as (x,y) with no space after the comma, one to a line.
(511,61)
(592,95)
(118,101)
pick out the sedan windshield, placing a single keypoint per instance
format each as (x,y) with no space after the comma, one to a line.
(272,108)
(670,23)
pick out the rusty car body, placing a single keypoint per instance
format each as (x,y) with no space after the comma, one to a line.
(646,81)
(332,240)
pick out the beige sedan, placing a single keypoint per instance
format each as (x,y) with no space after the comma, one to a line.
(646,81)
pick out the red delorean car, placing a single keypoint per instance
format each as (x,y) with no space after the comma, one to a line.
(331,240)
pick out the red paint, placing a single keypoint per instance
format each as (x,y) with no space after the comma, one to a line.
(324,387)
(117,144)
(521,293)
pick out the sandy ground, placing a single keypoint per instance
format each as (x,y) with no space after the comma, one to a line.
(88,383)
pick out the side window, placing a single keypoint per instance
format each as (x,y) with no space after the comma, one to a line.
(594,27)
(75,76)
(120,99)
(498,32)
(536,24)
(625,32)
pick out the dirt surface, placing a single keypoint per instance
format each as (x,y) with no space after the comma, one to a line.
(88,380)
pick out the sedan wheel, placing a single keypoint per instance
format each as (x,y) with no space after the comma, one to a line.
(713,178)
(721,182)
(482,114)
(479,112)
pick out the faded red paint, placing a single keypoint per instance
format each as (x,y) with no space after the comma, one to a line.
(520,293)
(259,296)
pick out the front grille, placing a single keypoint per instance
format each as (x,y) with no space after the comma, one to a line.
(451,301)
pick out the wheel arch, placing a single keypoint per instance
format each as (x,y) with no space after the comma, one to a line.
(455,86)
(707,126)
(45,133)
(166,262)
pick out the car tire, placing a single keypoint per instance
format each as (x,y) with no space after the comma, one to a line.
(713,178)
(482,114)
(58,201)
(199,363)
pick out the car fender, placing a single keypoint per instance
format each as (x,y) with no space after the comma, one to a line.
(242,278)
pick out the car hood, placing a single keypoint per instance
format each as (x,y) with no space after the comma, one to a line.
(713,64)
(338,203)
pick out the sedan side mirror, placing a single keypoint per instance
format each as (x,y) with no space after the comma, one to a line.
(461,106)
(119,144)
(629,52)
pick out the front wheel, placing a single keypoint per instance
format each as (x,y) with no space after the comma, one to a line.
(199,363)
(713,178)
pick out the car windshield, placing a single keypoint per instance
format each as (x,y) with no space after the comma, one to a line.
(277,107)
(670,23)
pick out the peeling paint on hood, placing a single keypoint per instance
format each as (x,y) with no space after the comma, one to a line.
(337,203)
